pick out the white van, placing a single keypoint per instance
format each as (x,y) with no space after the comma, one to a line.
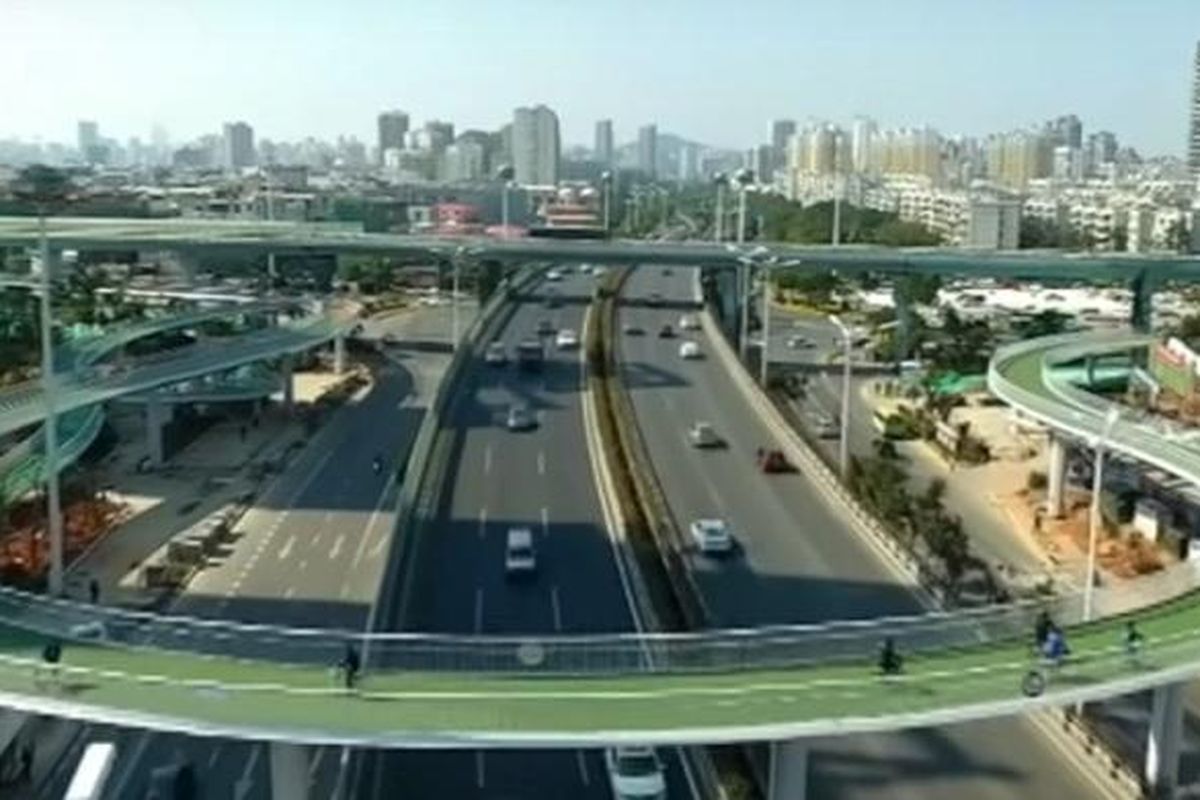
(519,555)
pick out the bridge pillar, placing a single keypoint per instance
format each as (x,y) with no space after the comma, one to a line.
(1056,476)
(158,414)
(289,382)
(903,331)
(289,771)
(788,777)
(1142,286)
(339,354)
(1165,740)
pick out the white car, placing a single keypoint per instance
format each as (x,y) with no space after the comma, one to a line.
(566,339)
(711,536)
(703,434)
(690,350)
(520,418)
(689,323)
(554,275)
(496,354)
(635,773)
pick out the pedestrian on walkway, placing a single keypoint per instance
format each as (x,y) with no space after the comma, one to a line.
(890,661)
(94,591)
(1133,640)
(351,663)
(1041,629)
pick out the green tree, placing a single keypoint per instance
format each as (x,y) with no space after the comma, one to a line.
(922,289)
(1044,323)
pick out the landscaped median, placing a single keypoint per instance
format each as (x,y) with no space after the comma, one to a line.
(262,700)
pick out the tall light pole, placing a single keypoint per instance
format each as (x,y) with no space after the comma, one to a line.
(743,178)
(270,218)
(44,187)
(505,174)
(606,180)
(844,443)
(765,357)
(1110,420)
(456,262)
(720,180)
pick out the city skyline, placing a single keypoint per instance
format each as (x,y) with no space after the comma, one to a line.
(1120,68)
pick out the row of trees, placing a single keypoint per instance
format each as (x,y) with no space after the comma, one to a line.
(789,221)
(919,521)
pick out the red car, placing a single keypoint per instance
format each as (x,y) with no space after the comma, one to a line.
(773,460)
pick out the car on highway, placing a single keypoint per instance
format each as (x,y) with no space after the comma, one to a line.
(655,299)
(799,343)
(666,272)
(826,426)
(635,773)
(772,460)
(530,355)
(690,351)
(545,327)
(704,435)
(520,418)
(632,329)
(711,536)
(666,331)
(689,322)
(520,557)
(496,354)
(554,275)
(566,339)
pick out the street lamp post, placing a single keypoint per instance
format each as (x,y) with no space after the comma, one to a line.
(606,179)
(459,255)
(53,498)
(744,177)
(505,174)
(844,443)
(765,356)
(720,180)
(1110,420)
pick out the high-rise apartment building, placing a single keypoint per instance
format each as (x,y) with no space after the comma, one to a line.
(393,127)
(782,131)
(463,162)
(862,138)
(87,136)
(1193,150)
(536,148)
(603,151)
(1018,157)
(1066,130)
(237,145)
(647,150)
(438,135)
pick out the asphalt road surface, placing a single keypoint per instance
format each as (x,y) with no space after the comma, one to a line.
(312,557)
(799,562)
(540,479)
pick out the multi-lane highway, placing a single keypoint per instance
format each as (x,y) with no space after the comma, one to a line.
(799,561)
(498,479)
(312,555)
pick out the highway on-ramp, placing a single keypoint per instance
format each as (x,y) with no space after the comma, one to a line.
(799,561)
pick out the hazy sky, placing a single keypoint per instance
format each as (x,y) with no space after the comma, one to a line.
(713,71)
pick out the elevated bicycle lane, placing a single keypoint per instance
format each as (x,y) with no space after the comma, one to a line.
(22,467)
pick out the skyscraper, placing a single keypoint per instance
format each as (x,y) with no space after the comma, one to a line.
(1193,151)
(862,138)
(604,142)
(782,131)
(535,146)
(647,151)
(87,136)
(439,135)
(237,145)
(393,126)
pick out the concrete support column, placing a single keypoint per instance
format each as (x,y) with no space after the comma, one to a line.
(788,779)
(158,414)
(1165,740)
(339,354)
(1142,287)
(289,771)
(1056,477)
(903,332)
(1089,370)
(289,384)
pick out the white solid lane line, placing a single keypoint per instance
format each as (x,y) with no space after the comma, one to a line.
(286,550)
(482,522)
(337,546)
